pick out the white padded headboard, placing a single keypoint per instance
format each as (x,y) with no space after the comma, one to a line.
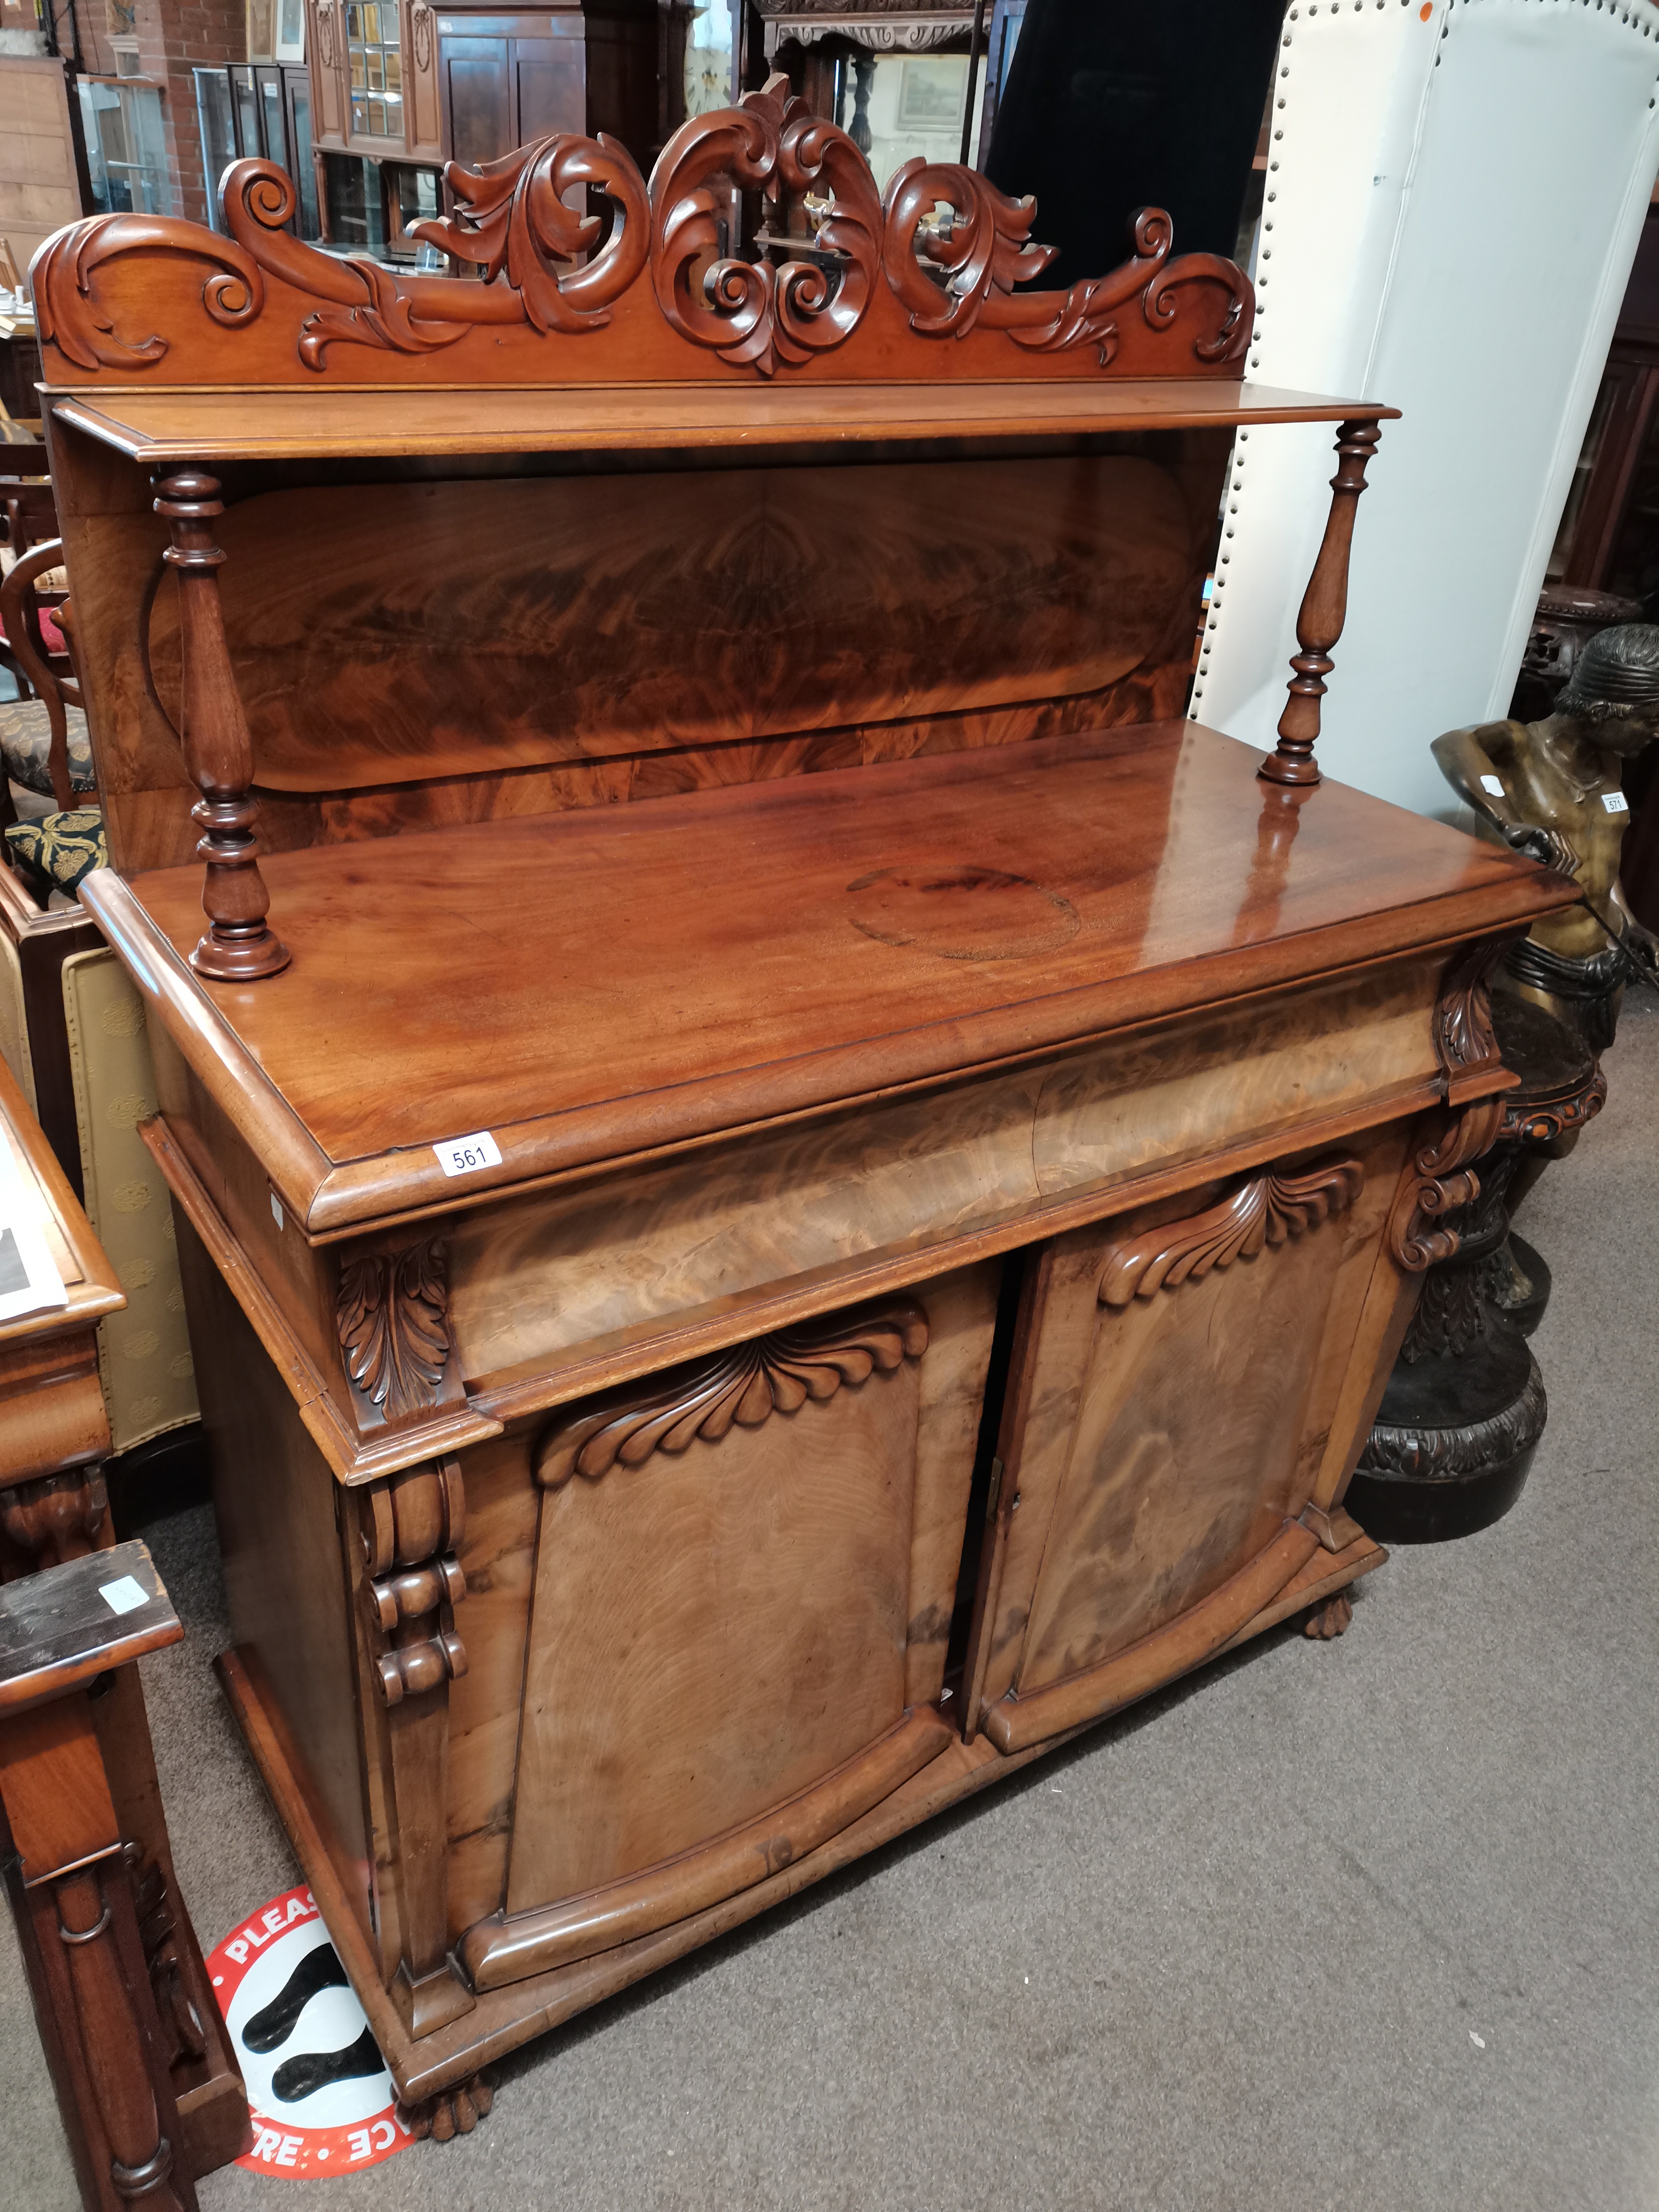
(1454,194)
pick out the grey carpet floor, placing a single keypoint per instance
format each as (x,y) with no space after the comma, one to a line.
(1371,1922)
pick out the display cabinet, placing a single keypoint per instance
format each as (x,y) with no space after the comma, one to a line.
(790,1187)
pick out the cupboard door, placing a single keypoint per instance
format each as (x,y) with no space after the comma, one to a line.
(1182,1369)
(326,46)
(743,1581)
(549,87)
(476,85)
(422,106)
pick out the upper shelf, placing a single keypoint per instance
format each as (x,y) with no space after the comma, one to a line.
(159,426)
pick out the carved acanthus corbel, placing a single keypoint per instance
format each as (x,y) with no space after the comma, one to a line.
(392,1314)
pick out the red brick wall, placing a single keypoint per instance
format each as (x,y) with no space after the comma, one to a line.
(174,38)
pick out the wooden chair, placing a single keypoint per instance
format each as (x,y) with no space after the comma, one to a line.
(35,735)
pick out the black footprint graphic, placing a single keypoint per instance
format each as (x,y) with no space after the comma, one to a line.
(319,1969)
(315,2069)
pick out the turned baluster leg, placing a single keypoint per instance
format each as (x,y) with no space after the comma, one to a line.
(1324,609)
(238,947)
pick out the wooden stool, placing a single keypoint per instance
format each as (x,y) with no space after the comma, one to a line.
(62,1634)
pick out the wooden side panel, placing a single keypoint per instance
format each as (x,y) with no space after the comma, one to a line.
(275,1503)
(394,633)
(713,1631)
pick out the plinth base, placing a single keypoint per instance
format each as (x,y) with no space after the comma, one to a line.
(1425,1480)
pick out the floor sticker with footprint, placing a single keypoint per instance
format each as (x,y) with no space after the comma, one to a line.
(321,2100)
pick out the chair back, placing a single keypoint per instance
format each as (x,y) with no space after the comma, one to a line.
(49,670)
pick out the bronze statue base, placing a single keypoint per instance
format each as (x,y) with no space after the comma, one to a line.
(1461,1420)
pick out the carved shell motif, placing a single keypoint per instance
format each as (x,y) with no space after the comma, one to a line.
(741,1387)
(1267,1209)
(393,1315)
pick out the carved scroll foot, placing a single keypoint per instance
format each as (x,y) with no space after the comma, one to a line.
(451,2112)
(1330,1618)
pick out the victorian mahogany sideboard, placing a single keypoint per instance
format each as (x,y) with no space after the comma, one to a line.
(790,1188)
(132,2034)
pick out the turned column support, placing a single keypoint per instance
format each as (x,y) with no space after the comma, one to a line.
(1324,610)
(237,947)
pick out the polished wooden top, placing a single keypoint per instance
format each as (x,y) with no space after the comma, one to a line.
(157,426)
(79,1258)
(593,985)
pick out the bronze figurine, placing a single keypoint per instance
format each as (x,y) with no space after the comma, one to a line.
(1554,789)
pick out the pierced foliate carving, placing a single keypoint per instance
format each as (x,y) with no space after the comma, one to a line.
(752,313)
(1267,1210)
(742,1387)
(512,217)
(954,249)
(393,1314)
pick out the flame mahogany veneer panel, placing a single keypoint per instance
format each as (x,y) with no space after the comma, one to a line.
(571,618)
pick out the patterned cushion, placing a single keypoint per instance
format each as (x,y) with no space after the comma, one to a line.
(55,853)
(26,745)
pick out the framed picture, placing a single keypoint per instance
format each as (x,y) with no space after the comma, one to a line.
(931,91)
(290,31)
(261,30)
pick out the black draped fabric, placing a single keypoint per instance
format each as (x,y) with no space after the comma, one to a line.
(1112,104)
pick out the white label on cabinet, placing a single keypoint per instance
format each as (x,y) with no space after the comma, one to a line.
(1493,784)
(466,1155)
(125,1596)
(1615,802)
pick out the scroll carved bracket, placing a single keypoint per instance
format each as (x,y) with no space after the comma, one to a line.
(1267,1209)
(392,1315)
(1465,1041)
(1441,1180)
(742,1387)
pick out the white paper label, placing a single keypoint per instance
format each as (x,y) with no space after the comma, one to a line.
(125,1596)
(29,1280)
(1615,802)
(275,1209)
(1493,784)
(466,1155)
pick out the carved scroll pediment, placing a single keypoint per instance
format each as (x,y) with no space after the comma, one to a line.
(391,1312)
(1267,1210)
(741,1388)
(957,253)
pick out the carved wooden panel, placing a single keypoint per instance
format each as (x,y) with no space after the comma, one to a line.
(662,291)
(677,609)
(1186,1365)
(728,1568)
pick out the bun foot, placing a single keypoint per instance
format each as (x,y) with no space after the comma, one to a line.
(1330,1618)
(454,2111)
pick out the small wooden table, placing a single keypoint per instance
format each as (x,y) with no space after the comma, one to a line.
(54,1515)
